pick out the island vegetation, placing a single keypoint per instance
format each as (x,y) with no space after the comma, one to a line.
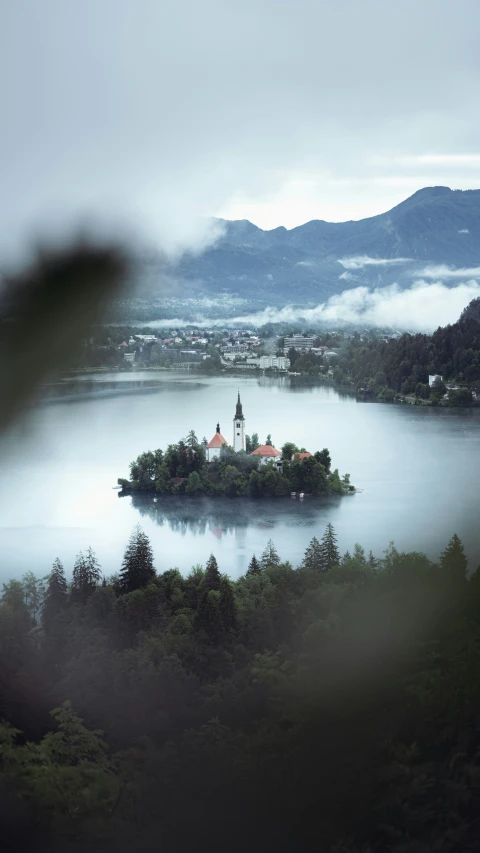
(182,469)
(329,707)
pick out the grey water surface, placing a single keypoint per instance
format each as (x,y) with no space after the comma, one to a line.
(418,467)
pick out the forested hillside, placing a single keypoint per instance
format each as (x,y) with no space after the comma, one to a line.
(406,363)
(331,707)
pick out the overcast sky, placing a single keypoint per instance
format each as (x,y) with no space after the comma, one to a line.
(279,111)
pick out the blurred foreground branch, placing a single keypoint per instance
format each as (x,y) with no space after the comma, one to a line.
(46,310)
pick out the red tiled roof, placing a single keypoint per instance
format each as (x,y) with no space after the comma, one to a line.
(266,450)
(302,456)
(217,440)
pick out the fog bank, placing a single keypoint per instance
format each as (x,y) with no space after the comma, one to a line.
(421,308)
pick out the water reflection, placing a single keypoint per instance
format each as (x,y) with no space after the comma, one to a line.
(220,516)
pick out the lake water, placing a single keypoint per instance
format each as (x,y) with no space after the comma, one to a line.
(418,467)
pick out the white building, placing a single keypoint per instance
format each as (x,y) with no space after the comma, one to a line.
(267,453)
(298,342)
(215,445)
(433,379)
(239,427)
(280,362)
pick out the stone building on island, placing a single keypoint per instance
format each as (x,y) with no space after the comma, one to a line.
(265,452)
(215,445)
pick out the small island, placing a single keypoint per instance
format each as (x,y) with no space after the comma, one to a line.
(245,468)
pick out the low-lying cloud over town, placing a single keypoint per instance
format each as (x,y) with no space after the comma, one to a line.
(420,308)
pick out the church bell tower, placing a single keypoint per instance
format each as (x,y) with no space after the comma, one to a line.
(239,427)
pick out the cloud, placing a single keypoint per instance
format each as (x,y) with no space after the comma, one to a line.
(360,261)
(422,308)
(157,119)
(466,160)
(347,276)
(464,231)
(441,272)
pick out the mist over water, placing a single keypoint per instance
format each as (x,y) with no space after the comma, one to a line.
(419,469)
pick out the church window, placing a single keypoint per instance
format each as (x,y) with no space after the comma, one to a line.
(238,426)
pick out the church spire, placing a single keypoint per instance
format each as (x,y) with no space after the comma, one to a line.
(239,410)
(239,427)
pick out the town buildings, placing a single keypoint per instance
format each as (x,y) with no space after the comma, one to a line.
(269,361)
(298,342)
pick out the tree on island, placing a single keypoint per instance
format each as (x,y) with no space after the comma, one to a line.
(254,567)
(329,551)
(194,484)
(270,556)
(192,440)
(137,569)
(323,456)
(313,558)
(268,440)
(251,442)
(288,450)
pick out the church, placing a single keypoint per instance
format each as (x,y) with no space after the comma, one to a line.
(265,452)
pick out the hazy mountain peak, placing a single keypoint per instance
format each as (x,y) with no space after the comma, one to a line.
(436,225)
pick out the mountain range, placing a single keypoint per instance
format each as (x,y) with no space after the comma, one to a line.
(312,262)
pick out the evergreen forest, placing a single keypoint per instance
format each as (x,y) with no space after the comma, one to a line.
(403,365)
(332,706)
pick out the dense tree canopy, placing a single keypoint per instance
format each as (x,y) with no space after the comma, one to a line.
(183,469)
(330,707)
(404,365)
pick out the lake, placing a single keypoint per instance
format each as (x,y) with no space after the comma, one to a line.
(418,467)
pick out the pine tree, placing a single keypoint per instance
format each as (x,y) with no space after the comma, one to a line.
(212,575)
(56,594)
(94,572)
(270,556)
(346,558)
(209,616)
(330,553)
(372,560)
(86,576)
(254,567)
(359,555)
(453,559)
(313,556)
(34,591)
(80,587)
(228,608)
(137,568)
